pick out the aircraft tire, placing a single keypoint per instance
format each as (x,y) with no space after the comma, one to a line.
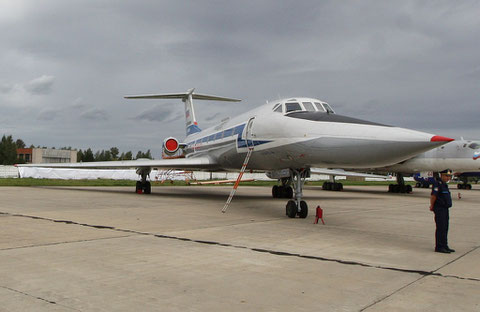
(289,192)
(282,191)
(138,187)
(468,186)
(147,188)
(409,189)
(291,209)
(460,186)
(275,191)
(303,213)
(324,186)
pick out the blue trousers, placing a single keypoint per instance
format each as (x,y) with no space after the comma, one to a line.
(441,233)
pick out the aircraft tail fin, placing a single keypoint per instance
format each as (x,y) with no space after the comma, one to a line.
(186,97)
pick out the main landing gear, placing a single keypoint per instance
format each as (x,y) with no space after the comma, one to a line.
(143,186)
(332,185)
(400,187)
(297,206)
(464,185)
(284,190)
(422,185)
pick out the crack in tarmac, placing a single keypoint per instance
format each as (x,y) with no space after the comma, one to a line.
(38,298)
(413,282)
(64,242)
(423,273)
(23,293)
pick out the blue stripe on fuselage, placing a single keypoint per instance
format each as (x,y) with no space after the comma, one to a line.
(229,132)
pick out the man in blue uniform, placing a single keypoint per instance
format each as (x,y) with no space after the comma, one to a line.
(440,202)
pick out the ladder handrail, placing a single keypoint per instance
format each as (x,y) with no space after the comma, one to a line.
(242,170)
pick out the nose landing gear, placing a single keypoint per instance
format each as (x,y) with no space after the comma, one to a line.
(297,206)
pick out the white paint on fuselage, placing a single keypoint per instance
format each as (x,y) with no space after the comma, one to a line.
(288,142)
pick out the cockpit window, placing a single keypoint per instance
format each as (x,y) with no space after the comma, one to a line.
(319,107)
(328,108)
(308,106)
(474,145)
(277,108)
(290,107)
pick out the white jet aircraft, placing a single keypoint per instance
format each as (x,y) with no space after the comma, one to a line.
(284,138)
(461,156)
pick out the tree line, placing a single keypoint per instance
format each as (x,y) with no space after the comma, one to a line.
(109,155)
(8,153)
(8,150)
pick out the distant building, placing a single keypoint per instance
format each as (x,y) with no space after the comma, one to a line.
(46,155)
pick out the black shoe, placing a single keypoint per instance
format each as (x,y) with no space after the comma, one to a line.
(450,249)
(442,250)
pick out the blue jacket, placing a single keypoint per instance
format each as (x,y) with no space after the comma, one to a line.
(441,191)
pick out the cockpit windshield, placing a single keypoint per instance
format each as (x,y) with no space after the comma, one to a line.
(290,107)
(474,145)
(277,108)
(308,106)
(319,107)
(328,108)
(302,105)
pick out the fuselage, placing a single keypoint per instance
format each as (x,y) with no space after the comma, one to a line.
(305,132)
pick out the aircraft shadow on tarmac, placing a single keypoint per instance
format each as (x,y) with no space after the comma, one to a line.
(217,193)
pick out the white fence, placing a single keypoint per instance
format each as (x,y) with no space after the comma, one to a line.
(8,172)
(130,174)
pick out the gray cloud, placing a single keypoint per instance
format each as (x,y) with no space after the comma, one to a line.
(158,113)
(213,117)
(47,115)
(40,85)
(408,63)
(5,88)
(94,114)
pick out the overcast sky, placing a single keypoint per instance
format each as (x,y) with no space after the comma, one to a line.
(66,65)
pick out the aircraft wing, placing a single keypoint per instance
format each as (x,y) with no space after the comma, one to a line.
(341,172)
(194,163)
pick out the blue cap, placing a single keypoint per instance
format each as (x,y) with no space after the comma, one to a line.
(446,171)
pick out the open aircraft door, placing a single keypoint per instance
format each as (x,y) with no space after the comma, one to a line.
(248,134)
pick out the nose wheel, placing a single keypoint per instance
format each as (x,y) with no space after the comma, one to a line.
(292,210)
(297,206)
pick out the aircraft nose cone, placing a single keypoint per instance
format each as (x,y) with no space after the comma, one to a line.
(438,138)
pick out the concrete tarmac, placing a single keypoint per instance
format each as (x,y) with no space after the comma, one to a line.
(109,249)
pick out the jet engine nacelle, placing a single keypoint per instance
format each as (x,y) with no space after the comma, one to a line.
(170,146)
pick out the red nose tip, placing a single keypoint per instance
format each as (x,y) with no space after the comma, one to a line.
(439,138)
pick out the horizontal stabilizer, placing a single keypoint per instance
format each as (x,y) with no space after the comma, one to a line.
(183,96)
(187,97)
